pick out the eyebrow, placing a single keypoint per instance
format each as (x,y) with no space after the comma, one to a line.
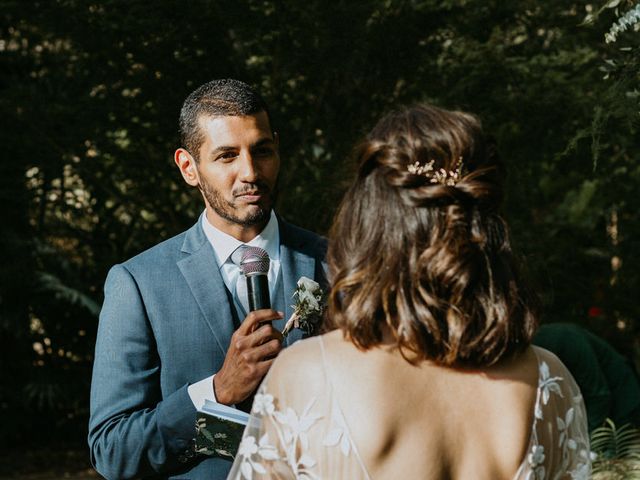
(264,141)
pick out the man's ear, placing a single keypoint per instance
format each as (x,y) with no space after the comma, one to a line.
(187,165)
(276,139)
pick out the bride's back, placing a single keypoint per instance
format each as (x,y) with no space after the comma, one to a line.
(441,422)
(329,411)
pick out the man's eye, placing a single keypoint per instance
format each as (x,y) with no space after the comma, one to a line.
(226,156)
(263,152)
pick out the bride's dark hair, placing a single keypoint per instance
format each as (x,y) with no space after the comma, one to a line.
(429,263)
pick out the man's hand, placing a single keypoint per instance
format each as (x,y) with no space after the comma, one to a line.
(253,348)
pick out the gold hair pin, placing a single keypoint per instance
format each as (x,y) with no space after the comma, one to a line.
(442,176)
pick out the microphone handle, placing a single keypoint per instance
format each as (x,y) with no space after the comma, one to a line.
(258,292)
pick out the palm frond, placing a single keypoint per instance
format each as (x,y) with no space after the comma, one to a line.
(52,284)
(617,452)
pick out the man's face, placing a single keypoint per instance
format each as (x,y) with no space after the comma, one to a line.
(237,169)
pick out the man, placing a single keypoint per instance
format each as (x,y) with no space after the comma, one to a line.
(173,330)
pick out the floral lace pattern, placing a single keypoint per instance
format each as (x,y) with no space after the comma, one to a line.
(279,445)
(292,433)
(338,433)
(572,439)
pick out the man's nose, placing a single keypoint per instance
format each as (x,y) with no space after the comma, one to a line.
(248,168)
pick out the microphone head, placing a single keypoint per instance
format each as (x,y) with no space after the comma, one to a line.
(254,261)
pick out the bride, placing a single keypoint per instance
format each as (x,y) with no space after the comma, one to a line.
(427,371)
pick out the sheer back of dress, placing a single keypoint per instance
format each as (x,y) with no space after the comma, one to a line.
(327,410)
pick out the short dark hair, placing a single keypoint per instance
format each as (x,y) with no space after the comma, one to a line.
(218,98)
(429,264)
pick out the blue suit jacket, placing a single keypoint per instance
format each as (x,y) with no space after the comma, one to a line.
(166,323)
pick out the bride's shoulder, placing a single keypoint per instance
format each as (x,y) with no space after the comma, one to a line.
(311,349)
(544,355)
(305,359)
(301,351)
(549,364)
(299,360)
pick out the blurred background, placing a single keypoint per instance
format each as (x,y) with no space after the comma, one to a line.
(90,96)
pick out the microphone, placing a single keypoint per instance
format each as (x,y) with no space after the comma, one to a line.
(255,266)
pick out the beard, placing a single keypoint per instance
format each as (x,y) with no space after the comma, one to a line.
(228,209)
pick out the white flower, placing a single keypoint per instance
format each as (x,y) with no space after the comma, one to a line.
(247,446)
(583,467)
(540,472)
(308,293)
(297,427)
(306,461)
(308,308)
(563,426)
(335,436)
(536,460)
(548,383)
(339,432)
(582,472)
(266,450)
(536,457)
(308,284)
(263,404)
(307,297)
(247,470)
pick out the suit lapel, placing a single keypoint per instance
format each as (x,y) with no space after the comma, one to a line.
(202,274)
(294,264)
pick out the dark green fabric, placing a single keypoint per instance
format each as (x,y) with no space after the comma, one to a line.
(608,383)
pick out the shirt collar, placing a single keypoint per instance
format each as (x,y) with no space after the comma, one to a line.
(224,244)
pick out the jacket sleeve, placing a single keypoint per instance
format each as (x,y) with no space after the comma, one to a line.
(133,431)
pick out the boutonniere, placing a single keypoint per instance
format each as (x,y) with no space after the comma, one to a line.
(309,306)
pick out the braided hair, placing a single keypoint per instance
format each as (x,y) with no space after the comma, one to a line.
(424,260)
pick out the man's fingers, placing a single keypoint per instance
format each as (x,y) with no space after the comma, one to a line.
(267,350)
(254,318)
(264,366)
(246,345)
(264,334)
(277,334)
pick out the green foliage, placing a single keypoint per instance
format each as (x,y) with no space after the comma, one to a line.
(628,20)
(617,452)
(91,93)
(50,285)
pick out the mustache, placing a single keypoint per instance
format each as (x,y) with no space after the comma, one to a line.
(252,189)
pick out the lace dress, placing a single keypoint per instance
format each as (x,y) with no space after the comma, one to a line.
(300,432)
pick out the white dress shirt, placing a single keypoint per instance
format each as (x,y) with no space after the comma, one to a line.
(223,246)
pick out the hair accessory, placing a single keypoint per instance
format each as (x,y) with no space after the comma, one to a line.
(443,177)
